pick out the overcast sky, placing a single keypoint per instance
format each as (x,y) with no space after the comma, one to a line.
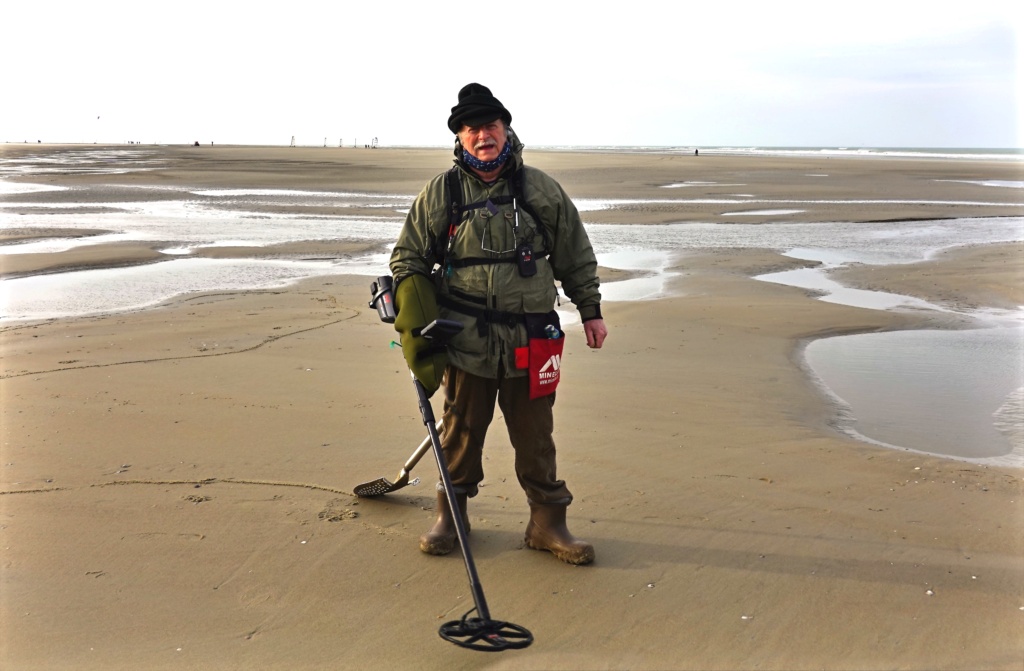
(784,73)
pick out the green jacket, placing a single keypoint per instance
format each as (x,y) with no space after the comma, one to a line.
(564,254)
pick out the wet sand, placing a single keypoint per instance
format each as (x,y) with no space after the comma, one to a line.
(175,483)
(995,277)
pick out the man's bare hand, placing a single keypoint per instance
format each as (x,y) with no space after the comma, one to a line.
(596,332)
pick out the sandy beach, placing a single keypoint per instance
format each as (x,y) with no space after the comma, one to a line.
(176,482)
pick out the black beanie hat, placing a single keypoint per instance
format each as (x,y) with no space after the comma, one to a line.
(476,107)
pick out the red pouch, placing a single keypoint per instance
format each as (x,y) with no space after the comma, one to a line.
(542,357)
(545,365)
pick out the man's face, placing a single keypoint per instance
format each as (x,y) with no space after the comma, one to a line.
(484,142)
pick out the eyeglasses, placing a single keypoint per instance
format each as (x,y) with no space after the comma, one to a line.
(488,241)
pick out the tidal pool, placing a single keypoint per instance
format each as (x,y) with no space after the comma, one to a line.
(951,393)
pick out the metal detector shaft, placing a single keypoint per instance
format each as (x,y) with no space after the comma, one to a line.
(449,490)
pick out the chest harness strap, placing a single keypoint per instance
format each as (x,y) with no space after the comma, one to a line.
(457,209)
(462,302)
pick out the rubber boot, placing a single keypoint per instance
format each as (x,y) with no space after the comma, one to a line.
(547,531)
(441,538)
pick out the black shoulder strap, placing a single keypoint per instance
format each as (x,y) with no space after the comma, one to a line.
(454,180)
(453,184)
(518,188)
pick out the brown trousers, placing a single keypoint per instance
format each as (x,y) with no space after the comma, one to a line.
(468,411)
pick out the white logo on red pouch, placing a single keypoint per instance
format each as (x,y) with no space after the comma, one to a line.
(548,373)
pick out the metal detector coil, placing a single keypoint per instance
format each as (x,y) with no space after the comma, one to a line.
(485,635)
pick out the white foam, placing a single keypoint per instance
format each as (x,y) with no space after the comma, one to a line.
(1009,420)
(1005,183)
(240,193)
(12,188)
(591,204)
(681,185)
(64,206)
(751,213)
(56,245)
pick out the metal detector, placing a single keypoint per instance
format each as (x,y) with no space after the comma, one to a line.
(481,632)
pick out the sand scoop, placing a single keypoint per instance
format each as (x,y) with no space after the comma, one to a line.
(382,486)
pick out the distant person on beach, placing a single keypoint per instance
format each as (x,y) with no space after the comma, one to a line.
(484,244)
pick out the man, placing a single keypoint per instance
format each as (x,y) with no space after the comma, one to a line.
(483,245)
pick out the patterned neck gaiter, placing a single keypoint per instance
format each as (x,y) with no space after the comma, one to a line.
(488,166)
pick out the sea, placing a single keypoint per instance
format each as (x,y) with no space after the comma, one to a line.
(918,391)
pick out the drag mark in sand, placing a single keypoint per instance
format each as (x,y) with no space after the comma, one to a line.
(225,481)
(35,491)
(267,341)
(193,483)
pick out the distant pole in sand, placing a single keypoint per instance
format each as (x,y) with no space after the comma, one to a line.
(340,143)
(293,141)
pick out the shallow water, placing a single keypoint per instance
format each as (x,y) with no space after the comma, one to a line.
(817,279)
(186,219)
(954,393)
(183,226)
(135,287)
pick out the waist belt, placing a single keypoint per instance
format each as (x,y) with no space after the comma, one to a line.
(484,315)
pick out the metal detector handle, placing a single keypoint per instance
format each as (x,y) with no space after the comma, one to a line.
(382,297)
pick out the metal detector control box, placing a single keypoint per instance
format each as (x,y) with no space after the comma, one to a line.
(382,297)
